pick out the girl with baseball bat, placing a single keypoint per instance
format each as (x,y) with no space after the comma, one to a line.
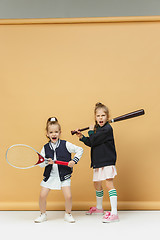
(103,158)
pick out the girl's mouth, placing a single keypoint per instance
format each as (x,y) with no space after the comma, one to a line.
(100,122)
(54,138)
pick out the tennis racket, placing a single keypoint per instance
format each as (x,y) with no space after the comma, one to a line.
(23,157)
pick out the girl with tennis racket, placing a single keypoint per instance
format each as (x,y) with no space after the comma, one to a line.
(57,177)
(103,159)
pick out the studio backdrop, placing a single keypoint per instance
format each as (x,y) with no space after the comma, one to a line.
(61,68)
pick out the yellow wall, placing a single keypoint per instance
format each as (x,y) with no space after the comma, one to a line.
(62,68)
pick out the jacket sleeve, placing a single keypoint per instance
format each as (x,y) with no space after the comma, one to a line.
(86,141)
(74,149)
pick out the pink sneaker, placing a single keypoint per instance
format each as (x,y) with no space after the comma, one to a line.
(94,210)
(110,218)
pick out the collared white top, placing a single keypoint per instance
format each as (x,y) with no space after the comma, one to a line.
(54,180)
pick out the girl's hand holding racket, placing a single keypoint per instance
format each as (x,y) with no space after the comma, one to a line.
(50,161)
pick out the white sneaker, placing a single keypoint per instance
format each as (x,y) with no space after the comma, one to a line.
(41,218)
(69,218)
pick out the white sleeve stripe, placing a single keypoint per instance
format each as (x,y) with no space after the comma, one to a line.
(75,159)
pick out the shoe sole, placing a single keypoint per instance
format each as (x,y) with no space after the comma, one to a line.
(94,213)
(105,221)
(39,221)
(69,222)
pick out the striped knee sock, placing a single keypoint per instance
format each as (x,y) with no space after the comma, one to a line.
(113,201)
(99,197)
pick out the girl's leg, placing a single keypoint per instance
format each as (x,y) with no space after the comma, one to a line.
(68,204)
(99,194)
(42,199)
(109,184)
(68,198)
(112,195)
(98,186)
(42,205)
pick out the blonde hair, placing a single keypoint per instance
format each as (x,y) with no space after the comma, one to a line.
(105,109)
(52,121)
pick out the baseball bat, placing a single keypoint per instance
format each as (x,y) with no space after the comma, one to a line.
(120,118)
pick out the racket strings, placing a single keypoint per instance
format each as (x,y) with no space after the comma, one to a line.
(22,157)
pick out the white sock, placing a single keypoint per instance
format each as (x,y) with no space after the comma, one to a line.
(99,197)
(113,201)
(43,213)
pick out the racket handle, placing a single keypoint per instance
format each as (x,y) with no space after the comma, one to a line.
(61,163)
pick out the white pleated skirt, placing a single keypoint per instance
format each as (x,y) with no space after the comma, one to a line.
(54,182)
(107,172)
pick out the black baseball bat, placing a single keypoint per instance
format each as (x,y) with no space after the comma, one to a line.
(120,118)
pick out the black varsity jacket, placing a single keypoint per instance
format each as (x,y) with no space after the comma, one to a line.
(62,154)
(103,152)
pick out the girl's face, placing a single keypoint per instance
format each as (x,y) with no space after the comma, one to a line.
(101,117)
(53,133)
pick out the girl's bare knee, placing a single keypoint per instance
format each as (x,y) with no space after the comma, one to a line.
(43,196)
(68,198)
(109,183)
(98,186)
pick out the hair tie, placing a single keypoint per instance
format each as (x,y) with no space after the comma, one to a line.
(53,119)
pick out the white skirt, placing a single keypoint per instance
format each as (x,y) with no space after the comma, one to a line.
(107,172)
(54,182)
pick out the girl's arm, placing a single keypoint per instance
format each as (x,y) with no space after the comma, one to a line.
(86,141)
(74,149)
(82,138)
